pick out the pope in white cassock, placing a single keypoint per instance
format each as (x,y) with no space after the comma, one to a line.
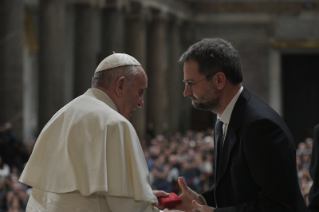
(88,156)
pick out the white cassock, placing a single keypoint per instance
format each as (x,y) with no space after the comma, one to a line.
(88,157)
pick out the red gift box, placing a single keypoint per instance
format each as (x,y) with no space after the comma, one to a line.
(170,200)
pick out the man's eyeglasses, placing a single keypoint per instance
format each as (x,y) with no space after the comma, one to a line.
(191,84)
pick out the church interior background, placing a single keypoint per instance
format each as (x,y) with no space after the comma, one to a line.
(49,50)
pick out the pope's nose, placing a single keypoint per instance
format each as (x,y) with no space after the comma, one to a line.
(140,103)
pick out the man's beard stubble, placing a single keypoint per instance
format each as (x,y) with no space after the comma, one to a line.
(209,101)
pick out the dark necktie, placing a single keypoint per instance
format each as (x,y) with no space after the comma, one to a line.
(218,136)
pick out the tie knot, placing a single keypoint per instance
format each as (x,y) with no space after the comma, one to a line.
(219,126)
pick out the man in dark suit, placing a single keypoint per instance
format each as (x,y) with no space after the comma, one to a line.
(314,173)
(255,159)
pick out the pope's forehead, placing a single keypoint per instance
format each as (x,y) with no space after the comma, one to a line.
(142,77)
(141,70)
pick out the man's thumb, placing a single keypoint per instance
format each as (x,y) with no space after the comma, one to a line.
(182,184)
(196,205)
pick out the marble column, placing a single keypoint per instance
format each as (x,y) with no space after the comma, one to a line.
(11,64)
(175,77)
(51,59)
(85,48)
(135,45)
(157,89)
(113,22)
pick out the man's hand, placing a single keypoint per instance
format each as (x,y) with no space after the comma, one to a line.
(187,196)
(159,194)
(196,208)
(202,208)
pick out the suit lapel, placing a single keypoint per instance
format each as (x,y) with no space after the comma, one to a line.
(229,143)
(216,153)
(231,138)
(217,158)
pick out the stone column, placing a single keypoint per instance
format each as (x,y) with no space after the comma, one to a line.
(51,59)
(30,76)
(86,47)
(275,86)
(186,107)
(157,89)
(175,77)
(113,21)
(11,64)
(135,45)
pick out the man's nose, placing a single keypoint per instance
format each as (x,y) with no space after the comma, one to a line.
(187,91)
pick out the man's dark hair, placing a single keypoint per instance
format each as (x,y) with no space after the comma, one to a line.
(215,55)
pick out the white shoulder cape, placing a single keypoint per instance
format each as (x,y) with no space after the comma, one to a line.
(87,146)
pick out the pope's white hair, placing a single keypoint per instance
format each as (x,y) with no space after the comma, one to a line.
(109,76)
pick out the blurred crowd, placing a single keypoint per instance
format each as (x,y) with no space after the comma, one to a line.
(190,155)
(303,158)
(13,156)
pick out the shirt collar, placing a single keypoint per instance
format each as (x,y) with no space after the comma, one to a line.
(225,117)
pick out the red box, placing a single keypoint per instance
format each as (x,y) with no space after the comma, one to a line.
(170,200)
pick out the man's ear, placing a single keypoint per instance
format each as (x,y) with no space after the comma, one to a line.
(219,80)
(120,86)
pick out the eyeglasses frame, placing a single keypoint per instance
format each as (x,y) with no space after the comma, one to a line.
(192,83)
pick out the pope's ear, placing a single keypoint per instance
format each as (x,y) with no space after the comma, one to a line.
(119,86)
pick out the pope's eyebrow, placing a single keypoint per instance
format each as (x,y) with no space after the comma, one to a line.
(142,91)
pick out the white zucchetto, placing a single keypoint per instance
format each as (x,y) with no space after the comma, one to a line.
(116,60)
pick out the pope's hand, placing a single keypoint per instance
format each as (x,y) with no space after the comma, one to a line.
(187,196)
(167,210)
(202,208)
(159,194)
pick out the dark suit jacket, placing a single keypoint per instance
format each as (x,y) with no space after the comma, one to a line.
(258,162)
(314,173)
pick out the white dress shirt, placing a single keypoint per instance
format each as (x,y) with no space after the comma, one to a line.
(225,117)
